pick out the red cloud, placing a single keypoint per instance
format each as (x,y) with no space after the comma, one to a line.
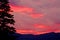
(46,28)
(35,32)
(29,32)
(36,15)
(41,26)
(21,9)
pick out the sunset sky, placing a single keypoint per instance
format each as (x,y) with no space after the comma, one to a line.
(36,16)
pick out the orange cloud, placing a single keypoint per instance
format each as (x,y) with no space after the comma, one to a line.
(20,8)
(36,15)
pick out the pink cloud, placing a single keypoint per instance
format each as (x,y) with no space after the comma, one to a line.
(21,9)
(41,26)
(30,32)
(50,22)
(37,15)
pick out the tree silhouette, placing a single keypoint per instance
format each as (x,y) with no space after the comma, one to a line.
(6,22)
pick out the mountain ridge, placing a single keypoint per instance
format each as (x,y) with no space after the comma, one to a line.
(46,36)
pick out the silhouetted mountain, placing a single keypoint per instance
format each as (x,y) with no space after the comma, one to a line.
(47,36)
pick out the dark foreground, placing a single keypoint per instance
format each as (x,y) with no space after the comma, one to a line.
(47,36)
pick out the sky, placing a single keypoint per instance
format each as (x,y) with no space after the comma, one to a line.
(36,16)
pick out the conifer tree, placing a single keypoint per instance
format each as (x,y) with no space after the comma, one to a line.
(6,20)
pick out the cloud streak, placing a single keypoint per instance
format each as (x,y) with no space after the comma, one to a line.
(20,8)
